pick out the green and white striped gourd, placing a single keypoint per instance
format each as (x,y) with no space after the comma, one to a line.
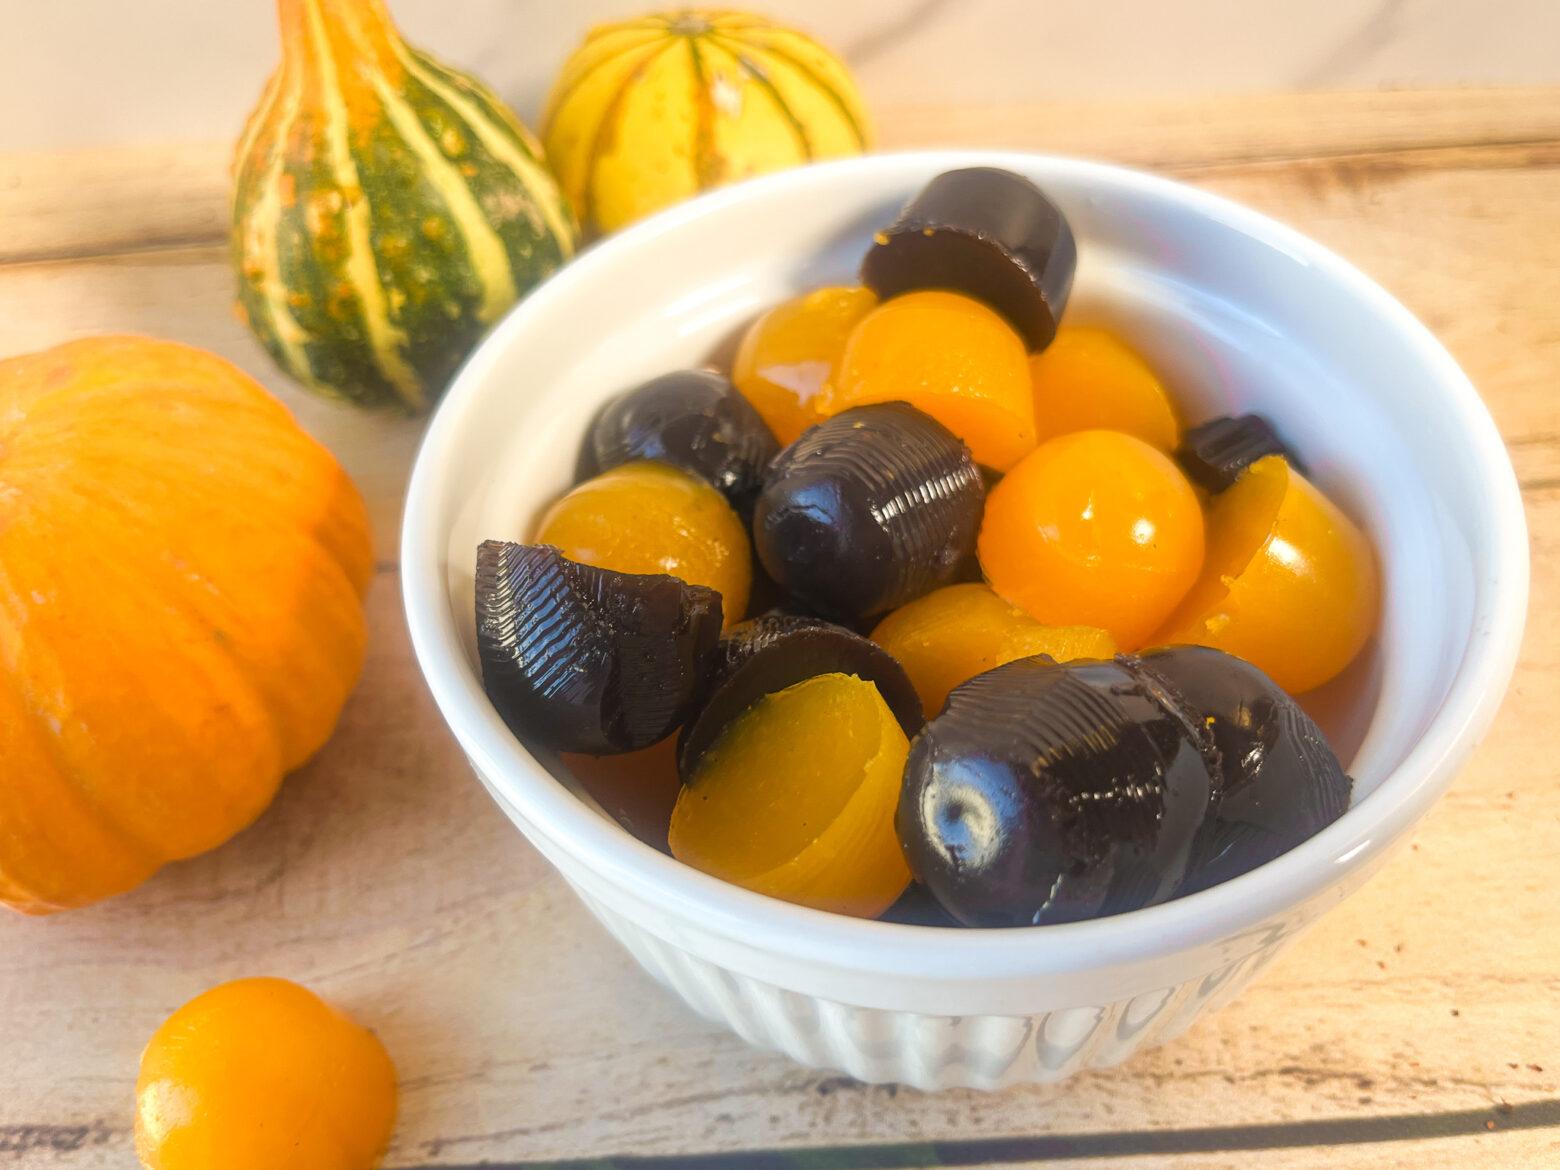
(387,210)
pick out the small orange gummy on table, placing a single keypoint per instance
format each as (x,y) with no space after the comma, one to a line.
(1089,379)
(1095,528)
(952,357)
(261,1074)
(1290,583)
(789,357)
(650,517)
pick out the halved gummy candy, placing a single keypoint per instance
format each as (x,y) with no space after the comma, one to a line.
(584,659)
(796,799)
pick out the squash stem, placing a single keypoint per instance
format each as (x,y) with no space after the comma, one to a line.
(357,29)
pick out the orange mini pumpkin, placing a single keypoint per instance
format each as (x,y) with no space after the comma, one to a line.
(182,571)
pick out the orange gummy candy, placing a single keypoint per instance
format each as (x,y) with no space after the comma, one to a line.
(1290,583)
(1089,379)
(259,1074)
(649,517)
(1095,528)
(952,357)
(788,358)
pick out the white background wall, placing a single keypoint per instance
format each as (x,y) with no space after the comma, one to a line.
(102,72)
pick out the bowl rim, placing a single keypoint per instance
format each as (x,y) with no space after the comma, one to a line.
(1233,908)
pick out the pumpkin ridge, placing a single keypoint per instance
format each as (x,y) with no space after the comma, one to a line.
(119,472)
(504,137)
(258,119)
(294,745)
(488,257)
(333,495)
(836,98)
(175,589)
(180,611)
(257,241)
(313,245)
(734,50)
(708,165)
(608,128)
(346,504)
(295,449)
(338,495)
(360,269)
(163,580)
(71,767)
(568,86)
(432,283)
(359,587)
(314,252)
(358,583)
(22,892)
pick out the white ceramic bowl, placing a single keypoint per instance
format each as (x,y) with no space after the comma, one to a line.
(1238,313)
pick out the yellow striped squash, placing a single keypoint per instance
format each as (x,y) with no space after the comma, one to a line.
(386,209)
(648,112)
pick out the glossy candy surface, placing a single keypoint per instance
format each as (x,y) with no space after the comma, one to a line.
(692,419)
(956,632)
(1047,793)
(260,1074)
(789,357)
(1089,379)
(1052,793)
(1279,780)
(649,517)
(1290,582)
(775,651)
(952,357)
(868,510)
(988,233)
(1213,454)
(1095,528)
(796,799)
(586,659)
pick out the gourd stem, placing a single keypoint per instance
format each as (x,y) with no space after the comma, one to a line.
(360,28)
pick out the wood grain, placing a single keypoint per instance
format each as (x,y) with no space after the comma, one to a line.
(73,204)
(385,878)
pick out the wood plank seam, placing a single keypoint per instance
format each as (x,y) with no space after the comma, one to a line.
(1473,154)
(1534,153)
(1319,1134)
(173,242)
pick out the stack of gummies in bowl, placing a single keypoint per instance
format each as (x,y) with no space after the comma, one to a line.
(932,609)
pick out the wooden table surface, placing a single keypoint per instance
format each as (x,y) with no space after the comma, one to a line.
(1418,1025)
